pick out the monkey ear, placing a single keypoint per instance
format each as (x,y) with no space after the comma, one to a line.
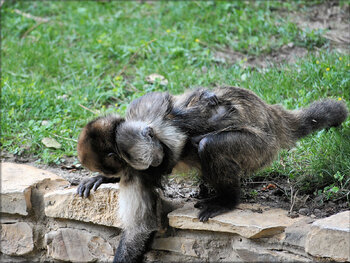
(147,132)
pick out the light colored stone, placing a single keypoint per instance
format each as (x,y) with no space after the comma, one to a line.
(17,181)
(330,237)
(100,208)
(208,246)
(16,239)
(296,234)
(181,245)
(77,246)
(246,220)
(247,255)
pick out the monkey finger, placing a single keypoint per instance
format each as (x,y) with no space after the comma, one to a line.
(203,217)
(213,101)
(205,214)
(80,189)
(97,183)
(88,187)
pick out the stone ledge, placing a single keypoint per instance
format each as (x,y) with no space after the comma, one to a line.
(330,237)
(100,208)
(252,232)
(17,181)
(247,220)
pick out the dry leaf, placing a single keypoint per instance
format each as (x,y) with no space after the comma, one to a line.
(51,143)
(153,78)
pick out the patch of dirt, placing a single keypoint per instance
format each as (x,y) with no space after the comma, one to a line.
(286,54)
(329,16)
(332,18)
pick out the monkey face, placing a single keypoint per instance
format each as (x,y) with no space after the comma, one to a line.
(97,147)
(138,145)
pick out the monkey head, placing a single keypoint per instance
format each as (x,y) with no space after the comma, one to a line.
(97,146)
(138,145)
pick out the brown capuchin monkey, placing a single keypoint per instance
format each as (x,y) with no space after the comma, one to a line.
(225,133)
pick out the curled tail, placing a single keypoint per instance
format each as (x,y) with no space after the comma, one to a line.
(319,115)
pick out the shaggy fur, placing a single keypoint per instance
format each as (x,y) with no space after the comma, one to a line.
(227,133)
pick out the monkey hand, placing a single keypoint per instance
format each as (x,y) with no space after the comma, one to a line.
(93,183)
(211,98)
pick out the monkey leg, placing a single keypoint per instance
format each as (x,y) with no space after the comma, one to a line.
(93,183)
(132,246)
(138,213)
(224,156)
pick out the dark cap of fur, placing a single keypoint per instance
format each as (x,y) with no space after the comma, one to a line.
(96,143)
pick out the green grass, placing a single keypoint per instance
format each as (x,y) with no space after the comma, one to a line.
(98,55)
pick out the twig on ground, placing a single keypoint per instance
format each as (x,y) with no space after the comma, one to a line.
(65,138)
(292,199)
(94,112)
(36,18)
(261,182)
(31,29)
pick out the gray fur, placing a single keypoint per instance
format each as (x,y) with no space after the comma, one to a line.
(227,133)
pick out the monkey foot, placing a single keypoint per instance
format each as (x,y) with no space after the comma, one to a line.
(211,207)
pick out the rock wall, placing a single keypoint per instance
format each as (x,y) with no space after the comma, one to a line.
(42,219)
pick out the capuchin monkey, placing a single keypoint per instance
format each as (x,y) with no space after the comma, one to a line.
(227,133)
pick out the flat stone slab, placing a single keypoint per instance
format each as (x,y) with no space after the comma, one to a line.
(247,220)
(100,208)
(16,239)
(330,237)
(17,181)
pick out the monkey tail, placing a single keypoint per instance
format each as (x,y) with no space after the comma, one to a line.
(319,115)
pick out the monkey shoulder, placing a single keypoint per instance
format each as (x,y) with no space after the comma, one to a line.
(151,106)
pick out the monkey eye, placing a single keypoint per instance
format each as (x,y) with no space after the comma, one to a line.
(147,132)
(112,155)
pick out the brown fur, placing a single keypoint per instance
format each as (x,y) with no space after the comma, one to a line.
(227,134)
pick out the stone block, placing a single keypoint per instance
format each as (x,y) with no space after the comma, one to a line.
(76,245)
(17,181)
(16,239)
(248,220)
(247,255)
(181,245)
(100,208)
(330,237)
(296,234)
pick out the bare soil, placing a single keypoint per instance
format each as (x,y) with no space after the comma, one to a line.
(330,17)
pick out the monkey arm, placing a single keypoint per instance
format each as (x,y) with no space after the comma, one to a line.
(93,183)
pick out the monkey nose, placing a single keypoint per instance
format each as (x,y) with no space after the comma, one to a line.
(156,162)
